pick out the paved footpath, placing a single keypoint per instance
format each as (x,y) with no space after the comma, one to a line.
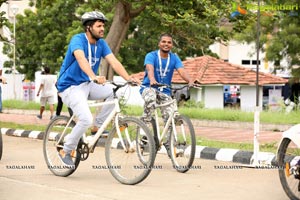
(219,131)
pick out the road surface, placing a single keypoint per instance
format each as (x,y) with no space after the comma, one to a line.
(24,175)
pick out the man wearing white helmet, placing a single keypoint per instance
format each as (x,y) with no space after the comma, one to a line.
(78,80)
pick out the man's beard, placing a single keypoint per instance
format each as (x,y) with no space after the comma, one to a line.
(94,36)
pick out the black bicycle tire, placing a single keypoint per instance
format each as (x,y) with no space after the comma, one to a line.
(68,172)
(281,166)
(155,134)
(187,167)
(1,145)
(152,153)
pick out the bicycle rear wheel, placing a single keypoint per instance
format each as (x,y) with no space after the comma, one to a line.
(288,156)
(132,164)
(182,144)
(1,145)
(53,143)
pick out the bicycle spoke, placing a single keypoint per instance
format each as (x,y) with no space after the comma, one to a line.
(182,144)
(131,163)
(53,143)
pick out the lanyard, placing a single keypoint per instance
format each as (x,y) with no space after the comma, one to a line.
(162,75)
(90,53)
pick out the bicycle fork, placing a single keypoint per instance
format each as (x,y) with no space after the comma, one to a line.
(124,127)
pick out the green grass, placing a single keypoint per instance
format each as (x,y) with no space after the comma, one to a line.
(267,147)
(23,105)
(229,115)
(194,113)
(22,126)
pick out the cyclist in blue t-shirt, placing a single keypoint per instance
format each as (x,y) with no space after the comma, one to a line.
(159,67)
(78,78)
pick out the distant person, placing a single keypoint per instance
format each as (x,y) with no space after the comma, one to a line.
(48,91)
(60,106)
(3,81)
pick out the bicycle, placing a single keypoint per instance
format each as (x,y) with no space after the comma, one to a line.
(1,140)
(128,147)
(1,145)
(288,158)
(178,132)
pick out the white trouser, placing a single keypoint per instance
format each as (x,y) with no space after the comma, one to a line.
(76,98)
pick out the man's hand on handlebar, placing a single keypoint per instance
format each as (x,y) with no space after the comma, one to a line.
(134,81)
(3,80)
(100,79)
(153,82)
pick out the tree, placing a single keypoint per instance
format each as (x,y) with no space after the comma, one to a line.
(279,33)
(124,13)
(43,35)
(3,21)
(194,25)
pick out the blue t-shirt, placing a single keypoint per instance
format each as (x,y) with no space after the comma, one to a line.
(70,71)
(153,59)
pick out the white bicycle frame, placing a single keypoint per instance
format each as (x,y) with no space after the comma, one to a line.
(169,121)
(115,114)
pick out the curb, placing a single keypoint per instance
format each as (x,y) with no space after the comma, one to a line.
(203,152)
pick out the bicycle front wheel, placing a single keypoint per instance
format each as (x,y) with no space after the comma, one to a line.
(54,139)
(182,144)
(130,156)
(288,156)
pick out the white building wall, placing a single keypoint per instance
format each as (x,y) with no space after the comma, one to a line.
(248,98)
(213,97)
(196,94)
(235,52)
(14,87)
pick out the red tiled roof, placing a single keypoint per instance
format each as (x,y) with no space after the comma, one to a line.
(207,70)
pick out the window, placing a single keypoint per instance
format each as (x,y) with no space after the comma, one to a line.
(254,62)
(245,62)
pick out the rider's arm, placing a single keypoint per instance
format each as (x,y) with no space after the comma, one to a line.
(84,64)
(117,66)
(119,69)
(150,70)
(182,72)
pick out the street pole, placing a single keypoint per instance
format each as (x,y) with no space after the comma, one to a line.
(257,108)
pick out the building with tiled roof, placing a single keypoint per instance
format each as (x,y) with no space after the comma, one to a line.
(213,74)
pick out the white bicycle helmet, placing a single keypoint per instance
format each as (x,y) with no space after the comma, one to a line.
(92,16)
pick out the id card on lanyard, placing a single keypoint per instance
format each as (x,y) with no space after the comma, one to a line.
(90,53)
(161,73)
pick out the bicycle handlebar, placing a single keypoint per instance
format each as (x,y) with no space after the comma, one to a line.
(3,82)
(161,85)
(118,86)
